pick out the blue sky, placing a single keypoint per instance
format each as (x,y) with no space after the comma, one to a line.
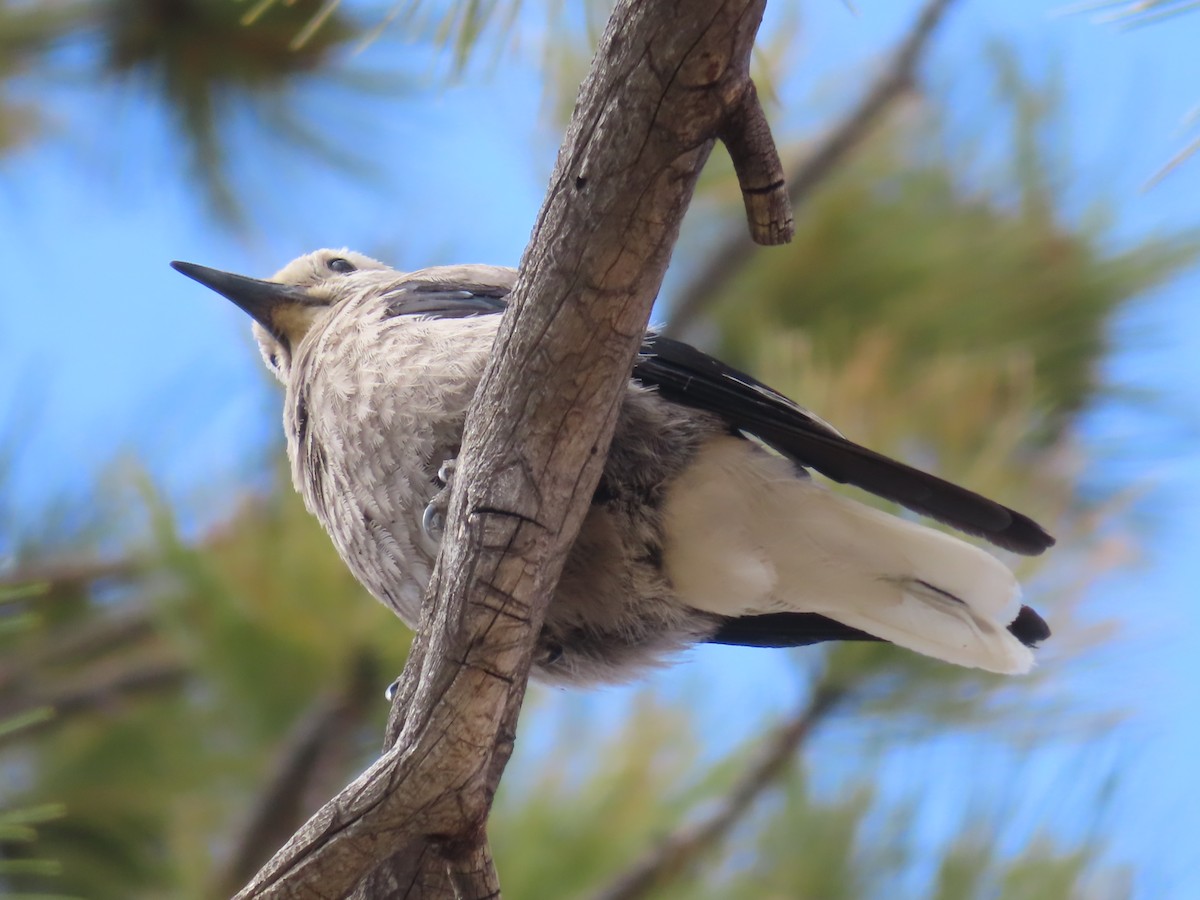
(105,351)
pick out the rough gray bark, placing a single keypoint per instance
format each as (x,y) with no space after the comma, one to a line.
(668,78)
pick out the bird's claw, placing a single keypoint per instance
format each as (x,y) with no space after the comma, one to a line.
(433,518)
(433,521)
(392,688)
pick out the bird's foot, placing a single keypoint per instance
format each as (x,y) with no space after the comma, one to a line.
(433,518)
(390,693)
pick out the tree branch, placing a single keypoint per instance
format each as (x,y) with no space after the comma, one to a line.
(892,83)
(103,691)
(67,576)
(666,78)
(314,751)
(414,870)
(681,849)
(70,643)
(747,137)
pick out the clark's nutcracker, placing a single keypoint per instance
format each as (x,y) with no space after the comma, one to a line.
(696,533)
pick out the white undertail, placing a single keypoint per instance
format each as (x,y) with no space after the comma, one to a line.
(747,535)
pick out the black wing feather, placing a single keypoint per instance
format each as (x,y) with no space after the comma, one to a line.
(446,300)
(684,375)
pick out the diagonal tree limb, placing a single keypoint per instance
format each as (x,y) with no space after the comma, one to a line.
(681,849)
(893,82)
(665,81)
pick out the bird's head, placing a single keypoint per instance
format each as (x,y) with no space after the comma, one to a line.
(286,306)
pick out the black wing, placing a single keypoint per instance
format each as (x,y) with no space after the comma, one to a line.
(446,300)
(684,375)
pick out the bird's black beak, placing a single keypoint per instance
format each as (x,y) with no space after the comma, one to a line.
(268,302)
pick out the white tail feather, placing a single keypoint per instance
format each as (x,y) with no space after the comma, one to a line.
(747,536)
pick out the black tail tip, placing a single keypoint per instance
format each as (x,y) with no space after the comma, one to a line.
(1024,536)
(1029,628)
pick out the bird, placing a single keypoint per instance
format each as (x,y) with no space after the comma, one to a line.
(708,524)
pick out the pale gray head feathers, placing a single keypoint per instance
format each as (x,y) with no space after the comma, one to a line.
(330,277)
(324,274)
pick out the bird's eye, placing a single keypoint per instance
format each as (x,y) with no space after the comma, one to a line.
(340,265)
(273,360)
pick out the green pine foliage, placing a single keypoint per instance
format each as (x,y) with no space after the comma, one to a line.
(197,660)
(219,72)
(908,245)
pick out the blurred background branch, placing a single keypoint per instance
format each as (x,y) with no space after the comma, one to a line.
(686,846)
(308,769)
